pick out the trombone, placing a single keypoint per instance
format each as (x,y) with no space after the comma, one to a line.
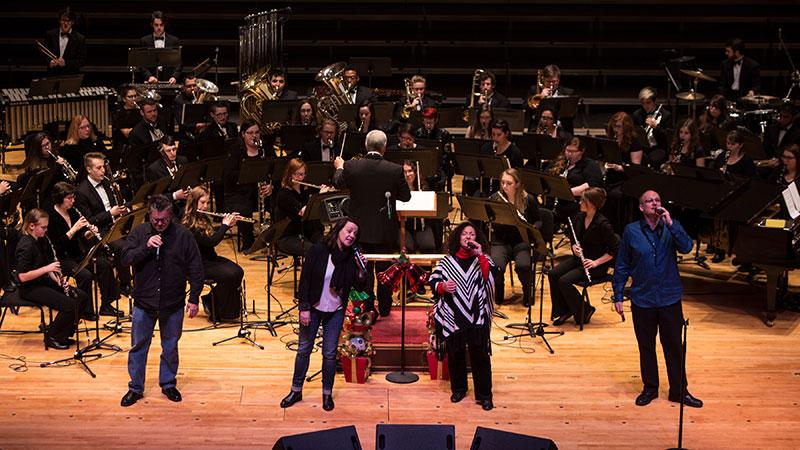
(474,92)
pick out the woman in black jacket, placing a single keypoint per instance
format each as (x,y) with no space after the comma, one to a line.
(331,268)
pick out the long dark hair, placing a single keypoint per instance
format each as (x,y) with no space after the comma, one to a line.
(33,151)
(454,244)
(330,239)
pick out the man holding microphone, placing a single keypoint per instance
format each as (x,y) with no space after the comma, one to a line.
(647,255)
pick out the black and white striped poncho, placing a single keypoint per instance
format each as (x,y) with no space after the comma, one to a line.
(470,306)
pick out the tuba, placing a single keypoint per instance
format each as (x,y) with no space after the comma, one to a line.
(474,92)
(254,91)
(535,99)
(205,92)
(328,105)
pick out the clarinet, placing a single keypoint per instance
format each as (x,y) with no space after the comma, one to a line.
(60,279)
(575,237)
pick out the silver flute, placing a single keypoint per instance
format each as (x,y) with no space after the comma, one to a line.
(221,215)
(575,238)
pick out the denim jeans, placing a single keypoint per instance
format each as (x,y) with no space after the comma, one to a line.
(331,329)
(170,327)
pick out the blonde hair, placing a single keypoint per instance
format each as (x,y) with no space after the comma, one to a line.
(647,93)
(417,79)
(72,134)
(292,166)
(192,218)
(32,217)
(520,196)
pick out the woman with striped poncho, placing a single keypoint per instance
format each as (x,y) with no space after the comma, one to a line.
(464,283)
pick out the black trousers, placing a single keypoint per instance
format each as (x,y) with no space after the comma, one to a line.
(476,343)
(123,271)
(65,322)
(667,322)
(106,281)
(228,277)
(242,204)
(295,245)
(384,292)
(502,254)
(564,295)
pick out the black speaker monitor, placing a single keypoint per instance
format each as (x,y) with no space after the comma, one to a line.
(491,439)
(343,438)
(415,437)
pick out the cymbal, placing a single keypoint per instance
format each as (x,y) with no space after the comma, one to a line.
(690,96)
(682,59)
(760,99)
(698,74)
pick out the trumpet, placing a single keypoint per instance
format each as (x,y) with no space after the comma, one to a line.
(236,216)
(46,51)
(535,99)
(575,237)
(67,168)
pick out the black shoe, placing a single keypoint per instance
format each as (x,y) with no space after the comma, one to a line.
(172,393)
(327,402)
(561,320)
(125,290)
(457,396)
(130,398)
(587,315)
(291,399)
(688,400)
(718,257)
(646,397)
(56,344)
(89,316)
(108,310)
(487,404)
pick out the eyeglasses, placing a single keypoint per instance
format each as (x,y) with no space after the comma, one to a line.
(159,220)
(83,127)
(221,114)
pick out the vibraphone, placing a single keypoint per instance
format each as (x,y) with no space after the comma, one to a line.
(24,113)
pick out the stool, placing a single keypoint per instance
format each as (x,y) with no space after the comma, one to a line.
(211,283)
(585,285)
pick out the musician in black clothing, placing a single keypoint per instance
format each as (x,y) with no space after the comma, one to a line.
(619,208)
(243,198)
(324,147)
(507,244)
(715,118)
(489,96)
(70,232)
(38,147)
(405,138)
(421,99)
(686,148)
(581,173)
(125,117)
(306,113)
(220,126)
(290,201)
(166,167)
(159,38)
(187,96)
(67,44)
(787,173)
(81,139)
(551,79)
(500,146)
(226,274)
(430,127)
(277,79)
(365,117)
(149,129)
(550,126)
(734,160)
(356,92)
(481,126)
(422,235)
(783,133)
(653,116)
(596,247)
(741,76)
(41,282)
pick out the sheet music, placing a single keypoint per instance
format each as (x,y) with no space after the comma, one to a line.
(792,199)
(420,201)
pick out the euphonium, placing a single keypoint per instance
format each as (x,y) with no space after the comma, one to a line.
(535,99)
(474,92)
(328,105)
(205,92)
(253,92)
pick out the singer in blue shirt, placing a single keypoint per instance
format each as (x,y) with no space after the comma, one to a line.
(647,254)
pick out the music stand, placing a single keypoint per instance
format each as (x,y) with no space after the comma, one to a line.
(349,113)
(514,117)
(531,180)
(428,160)
(481,167)
(141,156)
(255,170)
(319,172)
(189,175)
(154,57)
(353,144)
(698,173)
(215,168)
(40,182)
(556,187)
(150,189)
(293,137)
(279,111)
(193,113)
(384,111)
(119,230)
(379,66)
(564,107)
(63,85)
(451,117)
(211,148)
(469,146)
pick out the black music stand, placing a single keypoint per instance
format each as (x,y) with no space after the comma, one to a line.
(119,230)
(531,180)
(564,107)
(468,146)
(451,117)
(141,156)
(353,144)
(63,85)
(293,137)
(514,117)
(481,167)
(280,111)
(555,186)
(212,148)
(319,172)
(214,168)
(188,175)
(698,173)
(194,113)
(384,111)
(429,160)
(150,189)
(40,182)
(349,113)
(379,66)
(154,57)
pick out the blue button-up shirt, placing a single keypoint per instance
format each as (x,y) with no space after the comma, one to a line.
(648,256)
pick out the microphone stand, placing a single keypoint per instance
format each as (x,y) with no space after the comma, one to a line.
(795,73)
(683,387)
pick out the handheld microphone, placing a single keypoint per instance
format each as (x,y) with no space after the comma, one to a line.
(472,245)
(158,250)
(357,253)
(660,210)
(388,196)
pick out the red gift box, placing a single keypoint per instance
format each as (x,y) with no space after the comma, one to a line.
(360,365)
(437,369)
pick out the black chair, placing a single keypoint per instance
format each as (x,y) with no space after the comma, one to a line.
(585,285)
(14,302)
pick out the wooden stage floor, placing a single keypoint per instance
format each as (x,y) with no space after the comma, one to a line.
(581,396)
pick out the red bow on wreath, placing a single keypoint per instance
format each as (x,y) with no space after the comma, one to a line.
(414,274)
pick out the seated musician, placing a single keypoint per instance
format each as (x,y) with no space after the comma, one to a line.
(290,201)
(481,126)
(97,202)
(277,79)
(489,96)
(220,126)
(67,44)
(356,92)
(581,173)
(365,119)
(618,208)
(734,160)
(166,167)
(502,146)
(38,147)
(159,38)
(422,235)
(740,76)
(596,247)
(226,274)
(406,140)
(713,118)
(68,231)
(550,126)
(507,244)
(187,96)
(430,127)
(306,113)
(325,147)
(149,129)
(783,133)
(81,139)
(787,173)
(125,117)
(421,100)
(686,148)
(243,198)
(656,117)
(551,79)
(41,282)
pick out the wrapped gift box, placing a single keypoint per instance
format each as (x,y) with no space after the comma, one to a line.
(437,369)
(358,366)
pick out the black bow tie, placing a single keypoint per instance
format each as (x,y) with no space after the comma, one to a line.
(738,63)
(66,35)
(159,38)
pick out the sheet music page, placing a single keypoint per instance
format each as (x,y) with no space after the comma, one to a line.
(420,201)
(792,199)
